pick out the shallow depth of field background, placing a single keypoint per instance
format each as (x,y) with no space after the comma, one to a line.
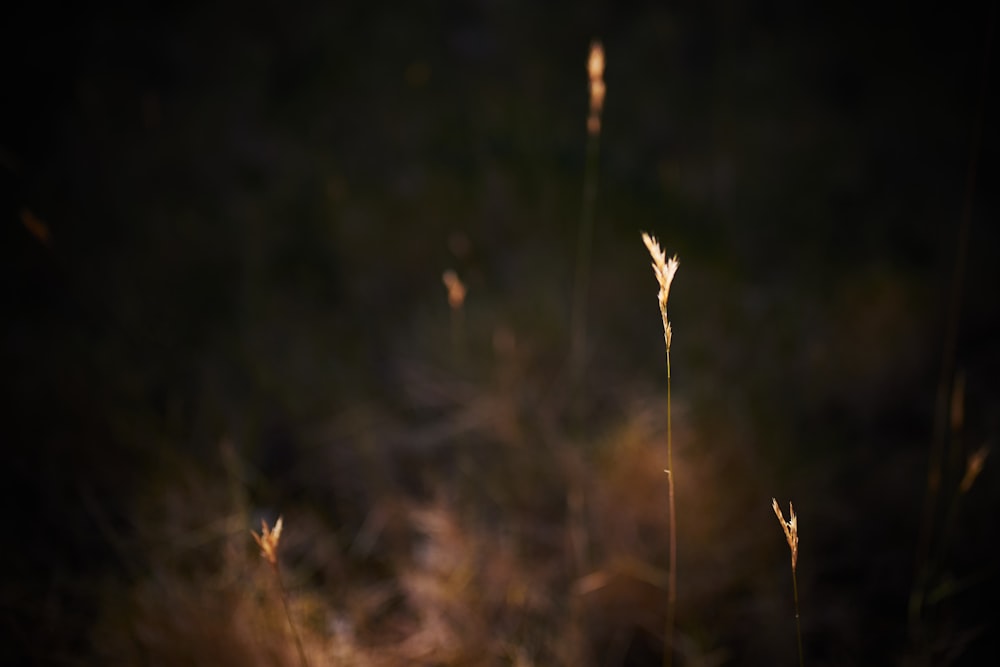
(223,233)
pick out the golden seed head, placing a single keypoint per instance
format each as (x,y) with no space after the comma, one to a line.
(595,63)
(267,540)
(595,70)
(791,529)
(455,287)
(664,270)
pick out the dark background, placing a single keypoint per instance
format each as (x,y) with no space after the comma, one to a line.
(227,222)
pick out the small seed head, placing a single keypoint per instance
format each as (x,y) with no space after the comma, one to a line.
(791,529)
(267,540)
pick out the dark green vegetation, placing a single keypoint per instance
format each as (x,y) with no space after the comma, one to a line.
(239,312)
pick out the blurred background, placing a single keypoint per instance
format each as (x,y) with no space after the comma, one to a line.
(224,232)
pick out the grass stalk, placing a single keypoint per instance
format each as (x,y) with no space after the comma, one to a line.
(798,621)
(935,466)
(456,300)
(672,583)
(267,540)
(585,242)
(791,530)
(288,615)
(664,271)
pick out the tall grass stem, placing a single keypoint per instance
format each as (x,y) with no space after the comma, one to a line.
(288,615)
(585,242)
(664,271)
(798,621)
(791,530)
(584,250)
(268,540)
(672,582)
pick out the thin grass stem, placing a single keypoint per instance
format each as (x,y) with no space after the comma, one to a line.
(664,271)
(268,540)
(935,466)
(585,241)
(791,530)
(672,582)
(288,615)
(798,622)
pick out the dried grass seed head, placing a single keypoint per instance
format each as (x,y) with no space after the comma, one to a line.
(267,540)
(664,269)
(455,287)
(595,71)
(790,527)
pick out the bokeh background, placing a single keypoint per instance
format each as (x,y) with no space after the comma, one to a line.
(224,231)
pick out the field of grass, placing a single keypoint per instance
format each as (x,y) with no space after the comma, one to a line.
(380,274)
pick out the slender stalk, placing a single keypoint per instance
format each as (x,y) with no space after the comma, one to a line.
(798,622)
(268,540)
(585,242)
(288,615)
(672,582)
(935,466)
(791,530)
(664,271)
